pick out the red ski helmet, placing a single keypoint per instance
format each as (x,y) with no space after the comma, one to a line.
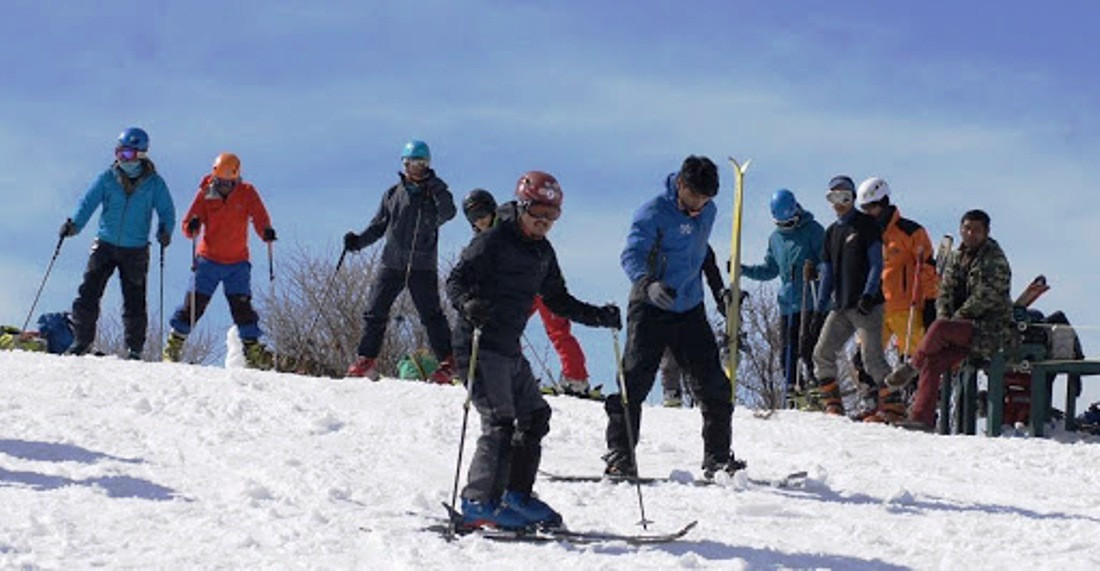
(538,187)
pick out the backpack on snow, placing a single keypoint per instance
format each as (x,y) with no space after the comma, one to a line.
(57,330)
(418,365)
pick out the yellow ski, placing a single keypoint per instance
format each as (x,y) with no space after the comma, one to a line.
(733,308)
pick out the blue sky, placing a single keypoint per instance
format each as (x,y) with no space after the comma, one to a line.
(957,104)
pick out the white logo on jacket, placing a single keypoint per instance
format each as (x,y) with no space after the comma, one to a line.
(686,229)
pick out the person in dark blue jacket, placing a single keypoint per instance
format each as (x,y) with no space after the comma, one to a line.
(796,241)
(663,258)
(129,191)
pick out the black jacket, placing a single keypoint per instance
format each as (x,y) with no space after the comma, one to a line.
(846,244)
(505,269)
(410,216)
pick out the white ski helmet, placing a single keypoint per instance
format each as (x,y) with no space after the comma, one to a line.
(871,190)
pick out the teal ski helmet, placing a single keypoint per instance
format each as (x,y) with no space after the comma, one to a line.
(416,150)
(134,138)
(784,206)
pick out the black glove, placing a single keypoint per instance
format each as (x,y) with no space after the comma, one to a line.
(351,242)
(609,316)
(865,304)
(809,271)
(476,312)
(269,234)
(929,313)
(193,225)
(164,237)
(67,229)
(660,295)
(723,299)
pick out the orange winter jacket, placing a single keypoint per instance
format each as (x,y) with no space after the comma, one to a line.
(902,239)
(225,220)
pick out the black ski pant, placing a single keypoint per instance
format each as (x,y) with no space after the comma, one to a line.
(794,353)
(514,419)
(649,330)
(424,289)
(133,268)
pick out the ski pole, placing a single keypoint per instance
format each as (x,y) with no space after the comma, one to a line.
(542,363)
(194,281)
(913,302)
(160,332)
(270,264)
(49,268)
(321,307)
(629,426)
(470,376)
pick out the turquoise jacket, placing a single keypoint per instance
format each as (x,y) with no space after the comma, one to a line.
(127,216)
(788,250)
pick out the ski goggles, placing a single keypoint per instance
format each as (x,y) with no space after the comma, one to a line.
(541,211)
(128,154)
(788,223)
(839,197)
(421,164)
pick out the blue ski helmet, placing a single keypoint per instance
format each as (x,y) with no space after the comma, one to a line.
(416,150)
(134,138)
(784,206)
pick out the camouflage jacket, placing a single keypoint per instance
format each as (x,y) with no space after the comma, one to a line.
(975,286)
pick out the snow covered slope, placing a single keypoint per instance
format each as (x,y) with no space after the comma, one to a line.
(125,464)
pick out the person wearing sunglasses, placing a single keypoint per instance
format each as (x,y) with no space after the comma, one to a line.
(129,192)
(663,258)
(909,285)
(409,217)
(851,283)
(796,241)
(221,210)
(482,212)
(493,286)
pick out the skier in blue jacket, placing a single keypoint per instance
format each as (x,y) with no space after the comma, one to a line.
(129,191)
(664,259)
(796,241)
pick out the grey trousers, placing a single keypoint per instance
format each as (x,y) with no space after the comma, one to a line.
(839,327)
(514,418)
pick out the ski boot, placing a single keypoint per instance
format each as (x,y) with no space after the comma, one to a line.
(673,401)
(364,367)
(536,511)
(901,376)
(491,515)
(574,387)
(445,374)
(830,397)
(891,408)
(78,348)
(256,356)
(133,354)
(619,465)
(173,350)
(712,467)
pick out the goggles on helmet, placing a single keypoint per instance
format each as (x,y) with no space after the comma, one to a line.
(839,197)
(127,154)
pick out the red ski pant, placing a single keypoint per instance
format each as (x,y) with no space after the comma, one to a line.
(945,345)
(559,331)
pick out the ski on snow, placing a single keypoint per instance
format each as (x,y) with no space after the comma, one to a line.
(792,480)
(451,529)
